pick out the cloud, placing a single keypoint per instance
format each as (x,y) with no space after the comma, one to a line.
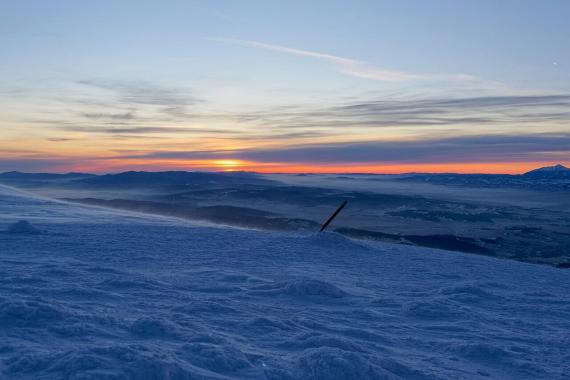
(481,148)
(181,155)
(123,116)
(465,149)
(411,112)
(33,164)
(288,124)
(60,139)
(349,66)
(136,130)
(145,93)
(484,148)
(473,110)
(552,100)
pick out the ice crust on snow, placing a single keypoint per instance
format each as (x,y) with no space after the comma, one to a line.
(111,296)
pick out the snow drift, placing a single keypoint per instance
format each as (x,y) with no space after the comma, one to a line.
(104,295)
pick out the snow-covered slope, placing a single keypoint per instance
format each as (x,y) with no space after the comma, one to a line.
(98,294)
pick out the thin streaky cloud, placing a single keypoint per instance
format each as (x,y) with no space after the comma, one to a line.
(284,49)
(144,92)
(349,66)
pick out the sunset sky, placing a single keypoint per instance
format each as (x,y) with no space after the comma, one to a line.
(284,86)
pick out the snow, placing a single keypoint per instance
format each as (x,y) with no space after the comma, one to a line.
(23,227)
(100,294)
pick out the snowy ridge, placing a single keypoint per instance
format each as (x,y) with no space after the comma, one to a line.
(140,298)
(21,204)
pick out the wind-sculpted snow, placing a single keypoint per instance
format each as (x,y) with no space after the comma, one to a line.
(19,205)
(102,295)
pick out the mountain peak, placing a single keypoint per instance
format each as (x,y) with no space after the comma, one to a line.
(558,167)
(558,170)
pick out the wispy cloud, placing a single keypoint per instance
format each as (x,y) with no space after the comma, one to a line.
(138,130)
(145,93)
(123,116)
(60,139)
(415,112)
(349,66)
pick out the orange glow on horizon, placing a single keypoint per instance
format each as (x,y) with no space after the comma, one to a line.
(119,165)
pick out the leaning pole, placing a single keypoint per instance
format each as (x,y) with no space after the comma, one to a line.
(326,224)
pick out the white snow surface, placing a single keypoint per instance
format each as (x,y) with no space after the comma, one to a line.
(99,294)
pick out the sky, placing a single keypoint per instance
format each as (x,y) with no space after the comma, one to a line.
(284,86)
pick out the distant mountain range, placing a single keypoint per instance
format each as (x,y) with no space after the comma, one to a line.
(172,179)
(388,214)
(180,180)
(550,177)
(19,176)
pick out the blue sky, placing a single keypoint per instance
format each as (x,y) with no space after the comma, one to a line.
(232,80)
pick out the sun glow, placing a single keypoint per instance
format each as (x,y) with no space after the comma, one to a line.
(228,165)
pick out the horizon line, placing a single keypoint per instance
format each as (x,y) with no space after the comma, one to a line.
(226,171)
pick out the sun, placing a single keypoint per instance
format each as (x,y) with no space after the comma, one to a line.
(228,165)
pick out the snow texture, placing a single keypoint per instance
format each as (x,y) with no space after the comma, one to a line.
(23,227)
(106,295)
